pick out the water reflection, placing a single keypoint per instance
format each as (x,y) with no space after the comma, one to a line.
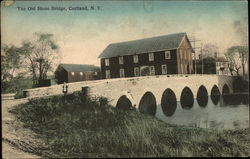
(215,95)
(187,98)
(147,104)
(231,112)
(168,102)
(225,89)
(215,99)
(234,100)
(202,96)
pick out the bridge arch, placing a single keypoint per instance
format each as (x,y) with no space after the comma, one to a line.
(187,98)
(147,104)
(225,89)
(215,94)
(215,91)
(202,96)
(123,103)
(168,102)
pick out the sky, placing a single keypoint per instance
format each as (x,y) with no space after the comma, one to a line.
(82,35)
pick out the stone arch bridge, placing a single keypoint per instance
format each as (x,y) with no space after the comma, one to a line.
(138,91)
(147,90)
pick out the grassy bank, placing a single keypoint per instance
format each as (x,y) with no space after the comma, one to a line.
(73,128)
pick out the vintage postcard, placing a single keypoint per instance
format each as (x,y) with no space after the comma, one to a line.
(122,78)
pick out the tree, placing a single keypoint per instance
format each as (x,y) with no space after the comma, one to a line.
(209,50)
(237,57)
(208,66)
(11,61)
(234,64)
(41,55)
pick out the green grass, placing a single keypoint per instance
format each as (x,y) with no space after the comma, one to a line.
(72,128)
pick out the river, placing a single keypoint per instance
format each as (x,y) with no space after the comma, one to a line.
(221,112)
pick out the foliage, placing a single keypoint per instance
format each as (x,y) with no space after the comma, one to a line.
(237,57)
(209,66)
(11,60)
(209,50)
(17,84)
(240,85)
(72,128)
(60,75)
(41,54)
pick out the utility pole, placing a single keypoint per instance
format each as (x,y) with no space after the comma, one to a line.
(201,62)
(194,48)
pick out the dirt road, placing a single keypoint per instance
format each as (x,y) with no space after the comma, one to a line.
(17,141)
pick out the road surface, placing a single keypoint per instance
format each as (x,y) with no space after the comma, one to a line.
(15,138)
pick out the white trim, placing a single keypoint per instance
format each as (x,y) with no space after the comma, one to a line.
(181,41)
(152,72)
(138,69)
(169,53)
(190,46)
(106,61)
(152,57)
(121,61)
(137,57)
(165,70)
(122,72)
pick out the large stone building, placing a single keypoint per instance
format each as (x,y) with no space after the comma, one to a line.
(168,54)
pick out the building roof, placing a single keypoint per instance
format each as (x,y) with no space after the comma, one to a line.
(79,67)
(165,42)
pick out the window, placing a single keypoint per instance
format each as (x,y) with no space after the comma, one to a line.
(151,56)
(180,54)
(81,73)
(121,60)
(72,73)
(106,62)
(167,55)
(107,74)
(122,73)
(164,69)
(152,70)
(135,57)
(136,71)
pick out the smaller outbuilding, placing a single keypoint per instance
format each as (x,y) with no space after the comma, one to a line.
(222,66)
(76,72)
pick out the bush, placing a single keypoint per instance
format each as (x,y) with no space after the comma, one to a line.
(240,85)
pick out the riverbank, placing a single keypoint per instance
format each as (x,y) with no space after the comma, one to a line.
(73,128)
